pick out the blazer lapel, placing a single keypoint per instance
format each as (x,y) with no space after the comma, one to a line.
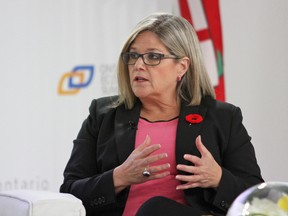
(187,132)
(126,122)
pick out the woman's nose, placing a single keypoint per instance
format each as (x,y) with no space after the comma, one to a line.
(139,63)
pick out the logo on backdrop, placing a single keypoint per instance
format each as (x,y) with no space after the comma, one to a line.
(81,77)
(71,82)
(36,183)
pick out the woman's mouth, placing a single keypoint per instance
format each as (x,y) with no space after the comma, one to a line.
(139,78)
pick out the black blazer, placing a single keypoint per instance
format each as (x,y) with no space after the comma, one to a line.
(107,137)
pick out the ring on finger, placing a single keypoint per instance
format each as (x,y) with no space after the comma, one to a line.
(146,172)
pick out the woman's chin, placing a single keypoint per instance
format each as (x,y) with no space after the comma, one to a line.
(141,94)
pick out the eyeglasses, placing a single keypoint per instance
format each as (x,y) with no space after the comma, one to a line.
(152,59)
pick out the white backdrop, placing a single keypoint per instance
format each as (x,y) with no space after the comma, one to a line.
(256,71)
(41,41)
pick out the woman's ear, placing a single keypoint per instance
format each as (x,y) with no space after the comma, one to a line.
(184,65)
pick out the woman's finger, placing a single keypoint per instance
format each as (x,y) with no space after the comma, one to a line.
(188,169)
(153,158)
(200,146)
(146,142)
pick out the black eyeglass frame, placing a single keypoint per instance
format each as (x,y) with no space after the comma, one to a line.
(160,55)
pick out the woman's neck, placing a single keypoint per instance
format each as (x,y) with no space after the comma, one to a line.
(157,110)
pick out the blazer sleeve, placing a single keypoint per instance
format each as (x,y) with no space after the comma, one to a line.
(239,165)
(81,175)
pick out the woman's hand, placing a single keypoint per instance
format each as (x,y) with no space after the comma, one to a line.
(131,171)
(206,171)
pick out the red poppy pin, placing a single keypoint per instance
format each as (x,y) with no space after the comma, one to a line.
(194,118)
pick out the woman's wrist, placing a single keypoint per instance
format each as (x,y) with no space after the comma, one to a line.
(119,184)
(218,177)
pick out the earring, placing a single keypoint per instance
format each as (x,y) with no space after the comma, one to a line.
(179,78)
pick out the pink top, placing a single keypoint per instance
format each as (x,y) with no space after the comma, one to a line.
(164,133)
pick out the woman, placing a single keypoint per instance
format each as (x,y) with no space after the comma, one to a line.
(164,144)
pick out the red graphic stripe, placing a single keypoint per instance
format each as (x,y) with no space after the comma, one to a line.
(203,35)
(185,10)
(212,13)
(185,13)
(220,89)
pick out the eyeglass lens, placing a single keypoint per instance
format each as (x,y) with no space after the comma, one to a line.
(148,58)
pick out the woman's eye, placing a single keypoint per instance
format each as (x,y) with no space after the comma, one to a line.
(153,56)
(134,55)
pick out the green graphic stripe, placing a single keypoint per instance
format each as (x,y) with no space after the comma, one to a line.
(219,63)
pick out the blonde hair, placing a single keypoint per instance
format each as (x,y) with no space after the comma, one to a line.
(177,34)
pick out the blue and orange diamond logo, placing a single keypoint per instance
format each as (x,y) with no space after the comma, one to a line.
(71,82)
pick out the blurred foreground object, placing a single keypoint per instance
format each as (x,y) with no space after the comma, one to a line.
(266,199)
(39,203)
